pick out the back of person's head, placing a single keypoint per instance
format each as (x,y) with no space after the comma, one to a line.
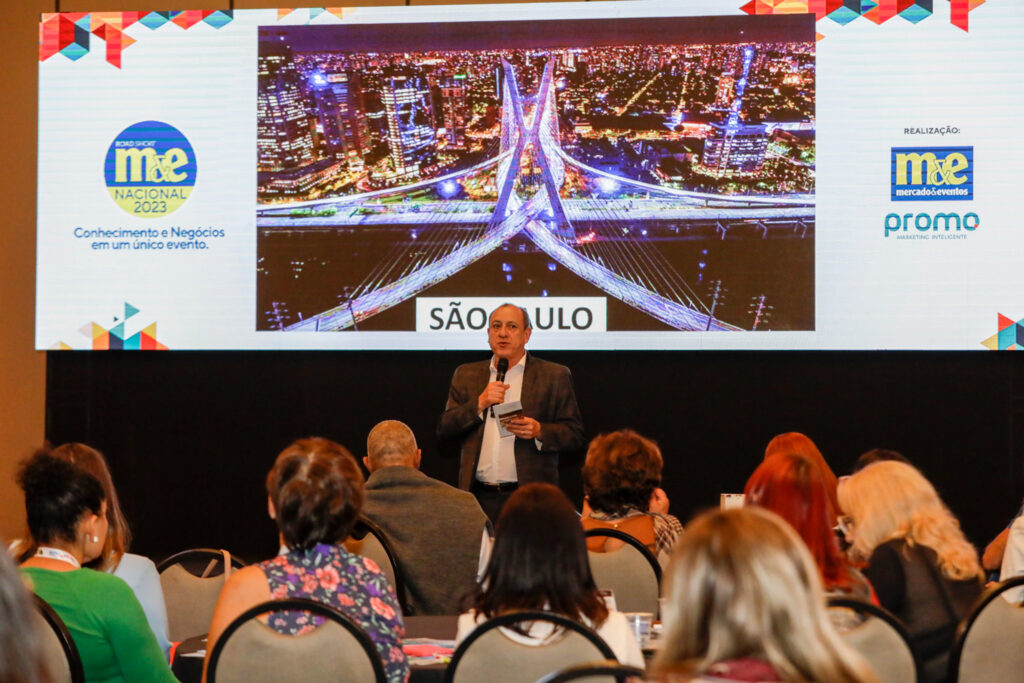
(742,584)
(801,444)
(539,559)
(119,535)
(889,500)
(57,496)
(391,443)
(316,489)
(877,455)
(621,471)
(793,487)
(21,656)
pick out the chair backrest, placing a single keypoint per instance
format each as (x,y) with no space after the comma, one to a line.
(369,540)
(488,654)
(881,639)
(191,598)
(60,654)
(249,651)
(595,672)
(989,642)
(631,572)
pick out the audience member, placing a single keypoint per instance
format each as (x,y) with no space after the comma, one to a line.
(21,654)
(315,493)
(437,531)
(992,558)
(877,455)
(539,562)
(621,478)
(67,517)
(1013,559)
(794,488)
(795,442)
(137,571)
(919,562)
(744,603)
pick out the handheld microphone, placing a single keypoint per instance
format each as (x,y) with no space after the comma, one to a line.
(502,368)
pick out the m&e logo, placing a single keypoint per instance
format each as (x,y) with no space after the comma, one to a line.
(150,169)
(923,174)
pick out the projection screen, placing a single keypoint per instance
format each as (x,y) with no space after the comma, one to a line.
(715,174)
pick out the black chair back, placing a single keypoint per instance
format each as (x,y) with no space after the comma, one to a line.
(58,631)
(632,572)
(201,562)
(989,642)
(256,653)
(611,669)
(487,654)
(191,581)
(882,640)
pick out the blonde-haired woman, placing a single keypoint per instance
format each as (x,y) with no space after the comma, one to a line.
(745,603)
(922,567)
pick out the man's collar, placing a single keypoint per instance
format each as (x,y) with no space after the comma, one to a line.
(522,361)
(395,472)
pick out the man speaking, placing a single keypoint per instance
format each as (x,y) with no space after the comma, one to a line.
(492,466)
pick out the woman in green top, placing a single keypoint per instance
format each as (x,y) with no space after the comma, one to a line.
(67,516)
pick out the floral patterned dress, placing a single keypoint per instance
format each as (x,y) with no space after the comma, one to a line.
(354,585)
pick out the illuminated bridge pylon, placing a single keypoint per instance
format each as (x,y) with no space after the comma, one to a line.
(529,137)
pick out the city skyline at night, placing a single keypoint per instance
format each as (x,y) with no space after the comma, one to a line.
(621,163)
(666,114)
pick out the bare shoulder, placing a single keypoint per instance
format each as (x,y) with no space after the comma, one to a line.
(246,579)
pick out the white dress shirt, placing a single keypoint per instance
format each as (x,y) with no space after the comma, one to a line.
(497,463)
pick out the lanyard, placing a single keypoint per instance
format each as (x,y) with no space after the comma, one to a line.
(59,555)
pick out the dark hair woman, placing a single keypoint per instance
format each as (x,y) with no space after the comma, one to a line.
(539,562)
(137,571)
(315,493)
(621,479)
(67,516)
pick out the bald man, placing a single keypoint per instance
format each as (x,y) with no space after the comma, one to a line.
(438,532)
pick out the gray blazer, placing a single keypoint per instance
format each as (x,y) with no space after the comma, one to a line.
(547,397)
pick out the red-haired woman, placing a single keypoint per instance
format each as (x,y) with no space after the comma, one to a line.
(800,444)
(794,487)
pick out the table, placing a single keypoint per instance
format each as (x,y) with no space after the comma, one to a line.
(189,668)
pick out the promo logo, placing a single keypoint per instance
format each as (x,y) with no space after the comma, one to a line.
(923,174)
(150,169)
(941,225)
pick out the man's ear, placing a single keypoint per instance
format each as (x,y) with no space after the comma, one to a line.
(270,508)
(366,462)
(419,456)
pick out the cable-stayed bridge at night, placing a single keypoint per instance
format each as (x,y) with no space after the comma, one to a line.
(601,238)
